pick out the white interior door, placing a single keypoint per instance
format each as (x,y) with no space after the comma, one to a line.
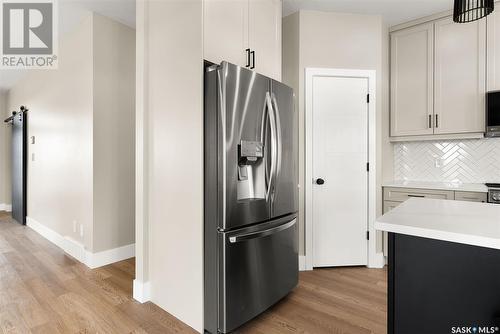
(340,155)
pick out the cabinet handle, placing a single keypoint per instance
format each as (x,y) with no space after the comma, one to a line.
(248,57)
(430,121)
(437,121)
(418,196)
(253,60)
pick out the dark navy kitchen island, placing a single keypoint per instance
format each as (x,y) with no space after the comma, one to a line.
(444,267)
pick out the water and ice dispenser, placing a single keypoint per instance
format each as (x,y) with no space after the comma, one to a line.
(251,171)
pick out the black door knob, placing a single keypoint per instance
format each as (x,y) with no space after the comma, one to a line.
(320,181)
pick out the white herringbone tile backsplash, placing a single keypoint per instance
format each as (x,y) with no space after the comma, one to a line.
(467,161)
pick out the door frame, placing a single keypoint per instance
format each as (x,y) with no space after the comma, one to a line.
(375,260)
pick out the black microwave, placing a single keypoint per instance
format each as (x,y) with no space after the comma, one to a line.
(493,114)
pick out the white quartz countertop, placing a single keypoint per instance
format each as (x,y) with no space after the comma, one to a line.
(454,186)
(469,223)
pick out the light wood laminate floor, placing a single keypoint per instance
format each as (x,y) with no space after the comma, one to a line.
(42,290)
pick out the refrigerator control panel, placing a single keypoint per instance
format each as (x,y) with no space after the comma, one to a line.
(250,152)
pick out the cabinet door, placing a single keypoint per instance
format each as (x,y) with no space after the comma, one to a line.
(471,196)
(402,194)
(226,31)
(265,36)
(412,57)
(493,52)
(460,72)
(389,205)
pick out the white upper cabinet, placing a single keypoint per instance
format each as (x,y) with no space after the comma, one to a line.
(244,32)
(412,55)
(460,70)
(438,78)
(493,74)
(226,31)
(265,36)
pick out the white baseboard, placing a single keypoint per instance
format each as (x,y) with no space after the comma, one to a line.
(142,291)
(6,207)
(111,256)
(302,263)
(45,232)
(377,261)
(73,248)
(77,249)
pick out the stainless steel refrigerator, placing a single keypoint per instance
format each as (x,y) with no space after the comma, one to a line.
(251,195)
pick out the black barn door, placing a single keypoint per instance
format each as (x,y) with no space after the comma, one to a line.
(19,162)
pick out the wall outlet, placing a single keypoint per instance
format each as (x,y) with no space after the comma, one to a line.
(32,156)
(81,231)
(74,226)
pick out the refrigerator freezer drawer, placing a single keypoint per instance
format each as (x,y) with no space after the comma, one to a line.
(259,267)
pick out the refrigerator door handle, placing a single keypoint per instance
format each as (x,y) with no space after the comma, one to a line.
(274,147)
(263,138)
(278,136)
(261,234)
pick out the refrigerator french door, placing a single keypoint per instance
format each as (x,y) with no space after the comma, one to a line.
(251,194)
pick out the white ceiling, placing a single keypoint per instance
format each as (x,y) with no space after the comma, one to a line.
(71,13)
(393,11)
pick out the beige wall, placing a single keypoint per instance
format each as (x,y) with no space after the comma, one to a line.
(385,149)
(142,153)
(291,53)
(291,76)
(334,40)
(60,118)
(82,118)
(113,134)
(170,89)
(4,152)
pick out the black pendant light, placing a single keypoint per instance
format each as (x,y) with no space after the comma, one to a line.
(471,10)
